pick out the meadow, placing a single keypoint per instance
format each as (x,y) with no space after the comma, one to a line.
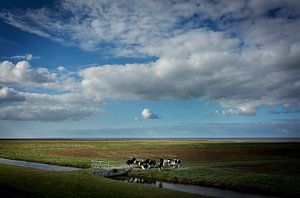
(257,167)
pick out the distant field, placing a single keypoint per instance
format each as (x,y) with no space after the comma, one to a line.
(256,167)
(79,153)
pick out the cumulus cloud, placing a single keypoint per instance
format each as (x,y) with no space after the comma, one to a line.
(215,67)
(67,102)
(147,114)
(10,95)
(22,72)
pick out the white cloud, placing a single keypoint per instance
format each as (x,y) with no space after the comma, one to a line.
(90,24)
(61,69)
(67,102)
(137,119)
(242,57)
(10,95)
(204,64)
(147,114)
(27,57)
(45,107)
(45,113)
(128,26)
(23,73)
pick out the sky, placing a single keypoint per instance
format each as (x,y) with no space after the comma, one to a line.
(149,69)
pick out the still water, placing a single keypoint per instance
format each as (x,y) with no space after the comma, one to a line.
(37,165)
(200,190)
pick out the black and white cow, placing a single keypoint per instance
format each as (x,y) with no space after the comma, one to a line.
(166,162)
(163,162)
(152,163)
(169,162)
(160,164)
(145,166)
(131,161)
(139,162)
(176,163)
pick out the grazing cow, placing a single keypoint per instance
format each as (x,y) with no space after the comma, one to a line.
(139,162)
(146,161)
(176,163)
(145,166)
(152,163)
(131,161)
(160,165)
(165,162)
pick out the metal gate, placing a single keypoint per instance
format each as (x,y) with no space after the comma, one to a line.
(100,164)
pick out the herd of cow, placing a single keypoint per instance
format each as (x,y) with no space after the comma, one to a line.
(148,163)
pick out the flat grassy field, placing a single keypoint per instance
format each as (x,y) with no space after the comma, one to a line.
(264,167)
(76,184)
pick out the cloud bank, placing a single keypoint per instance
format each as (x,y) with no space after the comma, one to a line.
(243,54)
(205,64)
(45,113)
(66,103)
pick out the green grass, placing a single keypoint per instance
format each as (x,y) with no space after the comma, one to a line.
(274,184)
(271,168)
(76,184)
(79,153)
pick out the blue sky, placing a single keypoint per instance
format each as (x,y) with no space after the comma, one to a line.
(97,69)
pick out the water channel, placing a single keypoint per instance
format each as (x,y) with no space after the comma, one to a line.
(195,189)
(36,165)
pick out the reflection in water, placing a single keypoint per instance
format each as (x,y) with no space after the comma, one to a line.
(139,181)
(160,185)
(136,180)
(200,190)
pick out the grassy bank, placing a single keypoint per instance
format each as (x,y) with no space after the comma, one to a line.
(263,183)
(76,184)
